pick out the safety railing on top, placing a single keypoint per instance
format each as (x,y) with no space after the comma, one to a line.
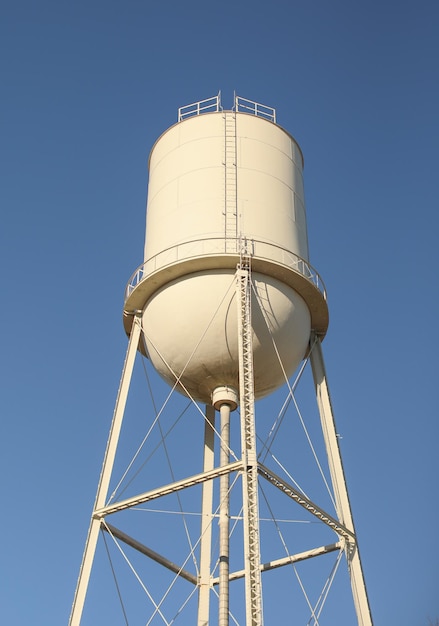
(216,246)
(210,105)
(213,105)
(255,108)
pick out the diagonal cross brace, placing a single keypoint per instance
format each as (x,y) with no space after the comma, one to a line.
(307,504)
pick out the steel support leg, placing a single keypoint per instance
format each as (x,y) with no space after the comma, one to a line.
(206,520)
(339,484)
(104,481)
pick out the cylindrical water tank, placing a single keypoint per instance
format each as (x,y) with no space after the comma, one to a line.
(211,178)
(224,184)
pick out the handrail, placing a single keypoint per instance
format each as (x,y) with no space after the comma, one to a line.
(217,246)
(255,108)
(211,105)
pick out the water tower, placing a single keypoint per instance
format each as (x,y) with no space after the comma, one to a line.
(225,306)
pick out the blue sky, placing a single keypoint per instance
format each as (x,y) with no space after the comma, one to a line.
(86,89)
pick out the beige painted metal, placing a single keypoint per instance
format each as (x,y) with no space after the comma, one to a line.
(224,519)
(344,512)
(226,253)
(187,332)
(151,554)
(186,192)
(204,583)
(107,468)
(287,560)
(219,183)
(165,490)
(250,490)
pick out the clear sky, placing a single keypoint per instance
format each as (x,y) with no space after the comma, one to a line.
(86,88)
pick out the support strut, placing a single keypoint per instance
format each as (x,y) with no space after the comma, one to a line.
(252,555)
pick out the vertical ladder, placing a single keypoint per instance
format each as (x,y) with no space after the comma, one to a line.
(252,556)
(230,184)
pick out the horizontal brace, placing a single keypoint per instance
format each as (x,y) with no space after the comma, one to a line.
(167,489)
(302,556)
(288,560)
(155,556)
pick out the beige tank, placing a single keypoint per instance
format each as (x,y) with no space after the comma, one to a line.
(223,184)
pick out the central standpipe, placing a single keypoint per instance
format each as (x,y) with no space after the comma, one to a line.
(224,399)
(224,515)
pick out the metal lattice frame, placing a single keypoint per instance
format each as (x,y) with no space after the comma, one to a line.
(249,468)
(252,556)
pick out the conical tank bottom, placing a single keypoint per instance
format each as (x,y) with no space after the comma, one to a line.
(191,332)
